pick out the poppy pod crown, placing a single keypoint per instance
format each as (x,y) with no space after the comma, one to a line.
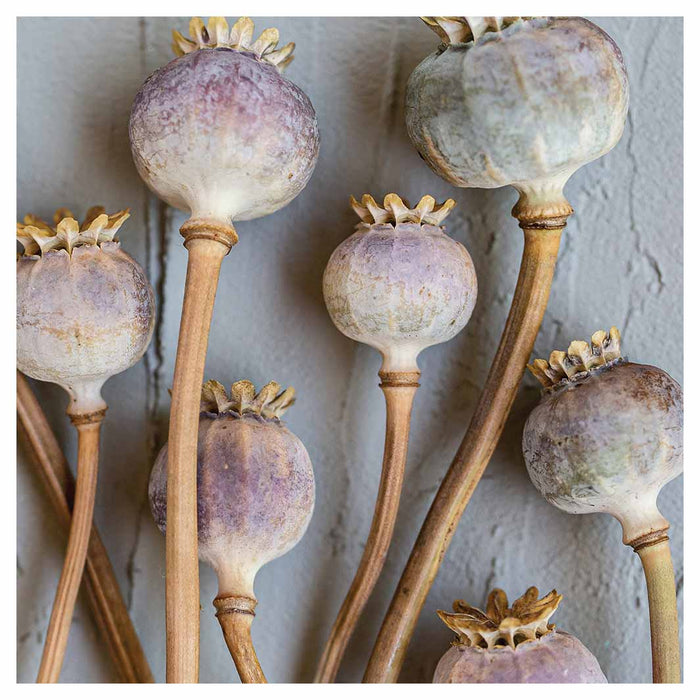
(216,35)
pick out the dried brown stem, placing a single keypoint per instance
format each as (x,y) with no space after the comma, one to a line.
(663,611)
(399,389)
(235,614)
(207,248)
(527,309)
(106,602)
(88,427)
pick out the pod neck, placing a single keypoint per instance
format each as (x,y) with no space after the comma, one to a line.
(85,400)
(400,359)
(542,204)
(211,229)
(642,523)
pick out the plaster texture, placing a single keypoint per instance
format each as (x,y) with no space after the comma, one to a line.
(621,263)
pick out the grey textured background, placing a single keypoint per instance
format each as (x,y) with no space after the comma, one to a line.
(621,263)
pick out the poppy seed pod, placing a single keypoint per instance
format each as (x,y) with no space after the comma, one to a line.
(513,645)
(607,434)
(400,284)
(85,310)
(255,492)
(605,437)
(219,131)
(517,101)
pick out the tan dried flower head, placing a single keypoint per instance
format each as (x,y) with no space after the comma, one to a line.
(500,625)
(580,359)
(216,35)
(36,236)
(396,210)
(461,30)
(268,402)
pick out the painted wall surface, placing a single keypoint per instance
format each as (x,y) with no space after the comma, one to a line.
(621,263)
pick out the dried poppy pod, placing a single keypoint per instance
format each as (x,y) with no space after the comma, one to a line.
(503,101)
(85,312)
(255,499)
(399,284)
(513,644)
(521,101)
(606,436)
(221,133)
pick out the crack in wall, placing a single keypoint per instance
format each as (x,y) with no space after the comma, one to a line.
(653,277)
(156,257)
(492,576)
(156,245)
(155,355)
(656,269)
(646,61)
(336,534)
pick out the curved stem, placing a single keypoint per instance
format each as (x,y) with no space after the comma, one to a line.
(399,389)
(235,615)
(181,561)
(526,312)
(663,611)
(108,606)
(88,427)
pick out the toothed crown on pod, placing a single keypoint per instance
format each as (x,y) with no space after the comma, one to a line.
(396,210)
(581,357)
(216,35)
(36,236)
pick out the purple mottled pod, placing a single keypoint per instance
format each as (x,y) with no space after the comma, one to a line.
(219,131)
(607,434)
(400,284)
(513,645)
(522,101)
(85,310)
(255,483)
